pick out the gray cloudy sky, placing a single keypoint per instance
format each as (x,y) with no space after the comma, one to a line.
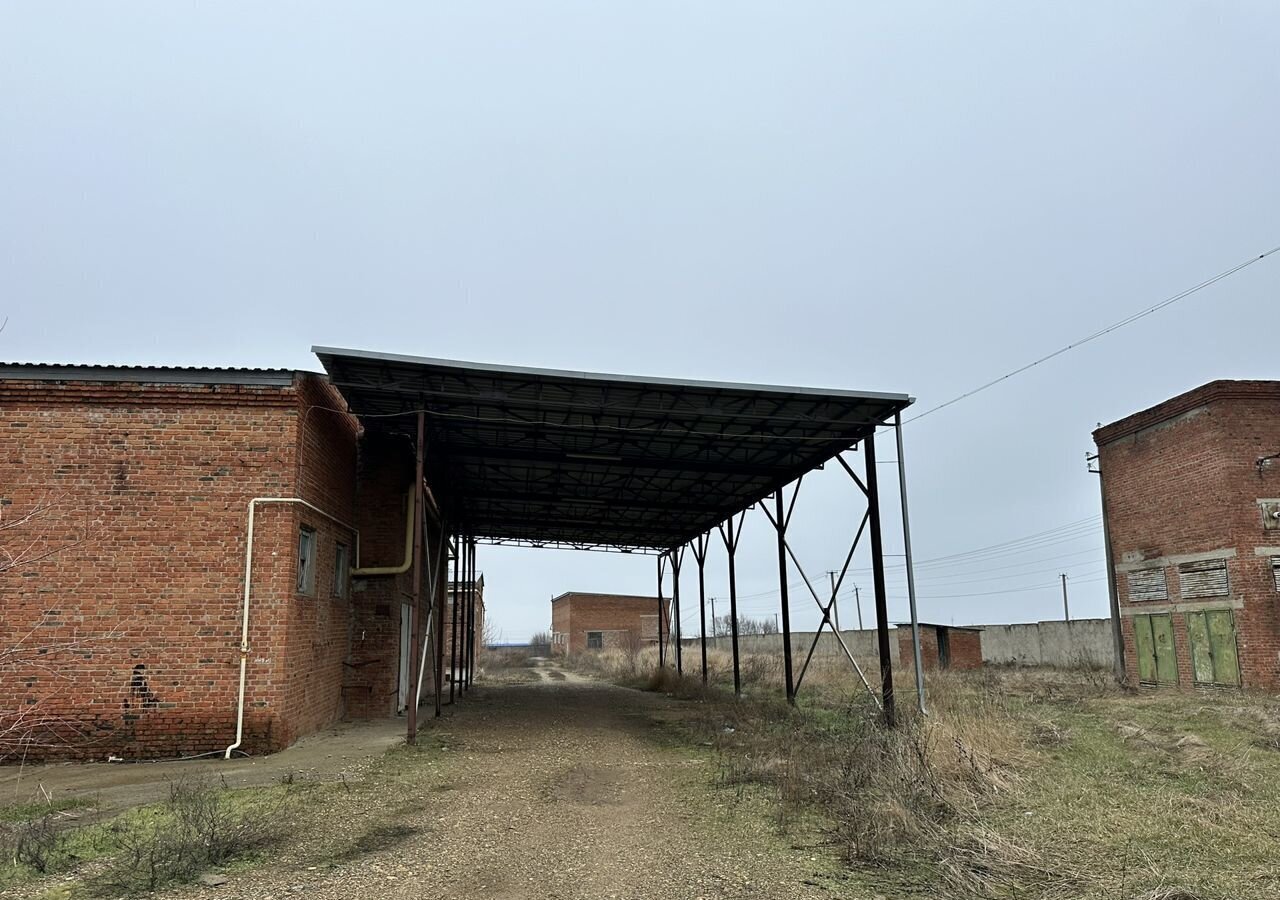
(898,196)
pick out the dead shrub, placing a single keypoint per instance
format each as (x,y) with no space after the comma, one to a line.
(200,825)
(39,844)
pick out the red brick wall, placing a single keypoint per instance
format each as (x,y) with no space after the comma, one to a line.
(147,487)
(1181,479)
(385,475)
(928,647)
(618,616)
(311,662)
(462,632)
(965,647)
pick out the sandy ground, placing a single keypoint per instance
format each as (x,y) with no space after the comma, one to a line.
(563,788)
(331,755)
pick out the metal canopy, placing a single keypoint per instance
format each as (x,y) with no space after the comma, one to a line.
(555,458)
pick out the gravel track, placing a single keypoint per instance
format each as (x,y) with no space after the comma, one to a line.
(559,789)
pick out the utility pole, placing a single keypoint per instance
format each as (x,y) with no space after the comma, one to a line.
(835,607)
(857,599)
(1094,465)
(1066,610)
(715,623)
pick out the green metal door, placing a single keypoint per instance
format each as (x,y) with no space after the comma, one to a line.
(1146,647)
(1212,634)
(1222,638)
(1153,637)
(1201,650)
(1166,660)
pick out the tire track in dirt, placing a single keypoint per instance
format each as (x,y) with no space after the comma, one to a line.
(560,790)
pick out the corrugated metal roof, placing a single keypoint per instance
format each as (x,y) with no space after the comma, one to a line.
(554,457)
(144,374)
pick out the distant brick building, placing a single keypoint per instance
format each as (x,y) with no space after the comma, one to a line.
(1192,498)
(127,492)
(464,593)
(943,646)
(581,621)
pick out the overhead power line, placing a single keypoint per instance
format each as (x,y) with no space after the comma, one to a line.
(1129,320)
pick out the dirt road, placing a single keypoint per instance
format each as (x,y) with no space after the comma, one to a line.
(559,789)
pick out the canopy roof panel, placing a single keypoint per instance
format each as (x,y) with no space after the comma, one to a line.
(542,456)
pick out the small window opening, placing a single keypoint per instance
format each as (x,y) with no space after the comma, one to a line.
(307,561)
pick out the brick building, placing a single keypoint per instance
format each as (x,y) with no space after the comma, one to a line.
(582,621)
(943,646)
(1191,494)
(126,495)
(467,590)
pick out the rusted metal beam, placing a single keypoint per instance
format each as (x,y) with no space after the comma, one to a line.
(877,570)
(411,699)
(781,527)
(453,629)
(439,582)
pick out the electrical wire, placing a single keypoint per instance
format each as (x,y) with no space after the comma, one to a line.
(1128,320)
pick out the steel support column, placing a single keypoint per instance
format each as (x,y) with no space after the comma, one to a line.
(677,557)
(911,574)
(470,590)
(440,581)
(463,683)
(411,700)
(453,627)
(877,570)
(781,528)
(662,610)
(471,602)
(700,554)
(730,539)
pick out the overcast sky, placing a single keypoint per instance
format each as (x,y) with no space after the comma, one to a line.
(896,197)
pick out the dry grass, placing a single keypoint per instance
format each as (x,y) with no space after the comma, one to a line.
(1021,783)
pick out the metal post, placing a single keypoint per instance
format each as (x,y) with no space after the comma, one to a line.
(411,700)
(471,611)
(700,554)
(441,579)
(835,607)
(662,610)
(676,558)
(911,573)
(466,613)
(781,528)
(477,633)
(732,546)
(877,569)
(453,629)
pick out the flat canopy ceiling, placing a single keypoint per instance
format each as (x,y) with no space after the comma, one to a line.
(546,457)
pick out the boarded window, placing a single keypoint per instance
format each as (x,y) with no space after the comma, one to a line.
(595,640)
(1275,570)
(306,561)
(1212,635)
(1148,584)
(1203,579)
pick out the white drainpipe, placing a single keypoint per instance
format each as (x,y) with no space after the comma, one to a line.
(248,570)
